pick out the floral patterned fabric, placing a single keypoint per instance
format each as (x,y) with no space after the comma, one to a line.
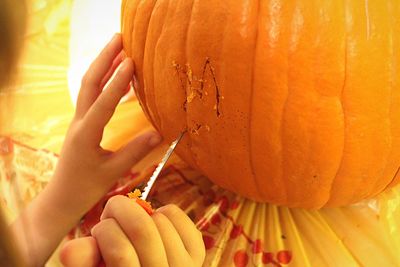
(236,231)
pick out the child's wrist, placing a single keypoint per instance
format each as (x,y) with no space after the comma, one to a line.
(72,200)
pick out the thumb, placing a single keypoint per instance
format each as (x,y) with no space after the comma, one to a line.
(81,252)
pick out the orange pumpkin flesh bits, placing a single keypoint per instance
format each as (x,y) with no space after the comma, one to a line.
(135,195)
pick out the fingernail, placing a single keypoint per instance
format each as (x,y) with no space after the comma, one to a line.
(160,209)
(135,81)
(93,229)
(154,139)
(125,64)
(128,89)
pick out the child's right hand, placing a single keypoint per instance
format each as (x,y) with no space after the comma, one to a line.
(128,236)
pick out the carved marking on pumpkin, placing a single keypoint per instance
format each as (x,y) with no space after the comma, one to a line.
(178,71)
(191,91)
(195,130)
(217,91)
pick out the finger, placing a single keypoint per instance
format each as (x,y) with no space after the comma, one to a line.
(91,81)
(81,252)
(190,235)
(139,228)
(104,107)
(117,61)
(174,247)
(114,245)
(125,158)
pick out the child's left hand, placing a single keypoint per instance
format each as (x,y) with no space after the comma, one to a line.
(85,171)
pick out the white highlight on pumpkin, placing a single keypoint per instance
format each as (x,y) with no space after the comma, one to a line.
(275,10)
(296,28)
(368,19)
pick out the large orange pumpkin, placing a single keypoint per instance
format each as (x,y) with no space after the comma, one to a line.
(289,102)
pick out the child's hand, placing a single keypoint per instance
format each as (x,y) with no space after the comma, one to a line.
(128,236)
(85,171)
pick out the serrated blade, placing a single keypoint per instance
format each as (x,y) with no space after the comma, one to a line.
(160,166)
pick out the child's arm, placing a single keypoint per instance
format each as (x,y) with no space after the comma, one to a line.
(128,236)
(85,171)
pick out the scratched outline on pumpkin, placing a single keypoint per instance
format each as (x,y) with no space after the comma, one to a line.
(188,80)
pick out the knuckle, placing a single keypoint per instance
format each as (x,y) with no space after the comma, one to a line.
(114,202)
(85,79)
(73,139)
(101,105)
(75,135)
(100,227)
(199,258)
(202,250)
(105,106)
(121,81)
(141,229)
(159,218)
(199,236)
(119,256)
(171,209)
(135,158)
(119,74)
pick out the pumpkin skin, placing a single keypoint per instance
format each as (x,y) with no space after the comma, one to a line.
(294,103)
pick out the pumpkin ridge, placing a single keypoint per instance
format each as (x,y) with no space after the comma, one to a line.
(396,177)
(282,130)
(396,57)
(379,186)
(141,91)
(143,96)
(334,180)
(365,103)
(140,62)
(233,185)
(377,22)
(251,15)
(130,10)
(123,7)
(278,40)
(290,189)
(156,113)
(249,135)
